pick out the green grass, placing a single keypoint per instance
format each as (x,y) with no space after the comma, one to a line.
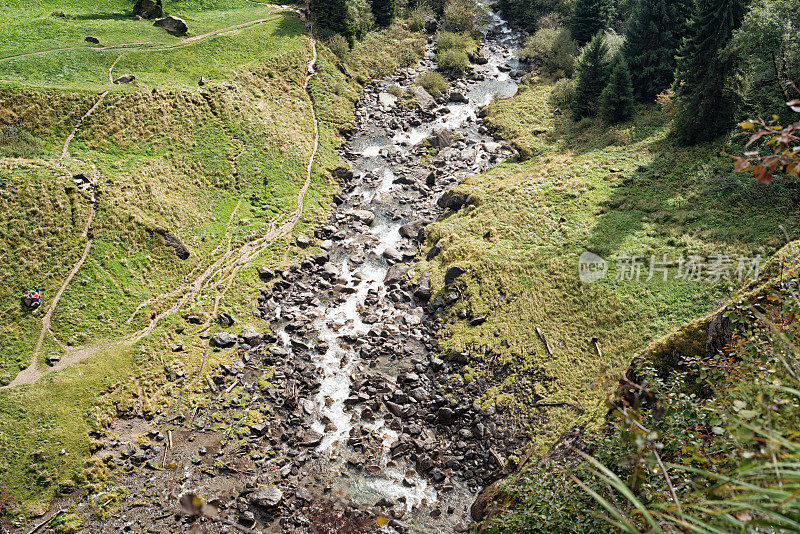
(532,220)
(155,57)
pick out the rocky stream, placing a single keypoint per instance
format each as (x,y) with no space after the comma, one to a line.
(359,413)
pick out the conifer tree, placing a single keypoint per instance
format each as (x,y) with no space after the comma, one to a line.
(706,77)
(588,18)
(591,77)
(652,39)
(331,14)
(384,11)
(616,100)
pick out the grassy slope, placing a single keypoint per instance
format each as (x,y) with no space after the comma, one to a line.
(165,150)
(534,218)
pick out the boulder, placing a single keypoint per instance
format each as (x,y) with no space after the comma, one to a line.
(53,359)
(458,98)
(423,98)
(92,40)
(225,319)
(365,216)
(171,240)
(172,24)
(452,273)
(396,274)
(267,497)
(387,100)
(147,9)
(453,200)
(434,251)
(440,139)
(423,291)
(250,336)
(414,230)
(311,438)
(125,78)
(223,340)
(303,241)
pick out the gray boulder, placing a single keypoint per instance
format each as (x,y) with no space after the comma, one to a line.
(440,139)
(267,497)
(423,98)
(365,216)
(452,273)
(125,78)
(223,339)
(458,98)
(173,24)
(171,240)
(396,273)
(454,201)
(414,230)
(250,336)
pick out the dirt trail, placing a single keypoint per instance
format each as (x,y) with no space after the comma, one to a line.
(229,265)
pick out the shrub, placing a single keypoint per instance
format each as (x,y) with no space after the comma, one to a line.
(338,45)
(18,143)
(396,90)
(552,20)
(452,62)
(416,19)
(449,40)
(553,50)
(434,83)
(460,16)
(562,94)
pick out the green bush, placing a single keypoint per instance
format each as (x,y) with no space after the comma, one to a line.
(18,143)
(562,94)
(460,16)
(553,50)
(339,46)
(395,90)
(452,62)
(434,83)
(416,19)
(450,40)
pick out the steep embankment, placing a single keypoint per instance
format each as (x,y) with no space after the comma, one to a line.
(559,345)
(222,170)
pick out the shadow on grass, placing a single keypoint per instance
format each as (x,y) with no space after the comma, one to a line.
(687,197)
(104,16)
(289,26)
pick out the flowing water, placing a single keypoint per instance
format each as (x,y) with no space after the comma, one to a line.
(377,155)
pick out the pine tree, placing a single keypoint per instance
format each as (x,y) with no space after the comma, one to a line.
(384,11)
(652,40)
(706,78)
(591,77)
(331,15)
(588,18)
(616,101)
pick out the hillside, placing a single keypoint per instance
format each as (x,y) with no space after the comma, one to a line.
(220,166)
